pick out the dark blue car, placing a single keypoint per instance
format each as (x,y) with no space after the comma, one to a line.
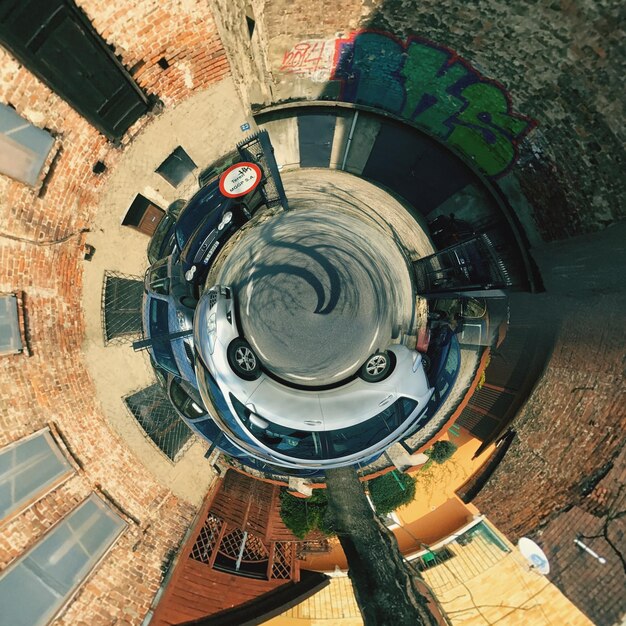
(207,223)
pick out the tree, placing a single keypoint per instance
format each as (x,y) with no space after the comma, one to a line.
(384,584)
(303,515)
(391,491)
(441,451)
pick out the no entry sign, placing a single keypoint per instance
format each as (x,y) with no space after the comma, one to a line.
(240,179)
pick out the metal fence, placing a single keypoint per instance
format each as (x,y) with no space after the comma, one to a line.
(258,149)
(472,265)
(121,307)
(156,416)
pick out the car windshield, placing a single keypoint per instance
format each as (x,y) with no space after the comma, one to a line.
(216,168)
(297,443)
(158,280)
(223,415)
(162,232)
(326,444)
(362,436)
(201,204)
(161,344)
(185,403)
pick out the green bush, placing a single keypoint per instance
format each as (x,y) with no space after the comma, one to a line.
(391,490)
(441,451)
(303,515)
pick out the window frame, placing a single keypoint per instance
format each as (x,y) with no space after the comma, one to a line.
(72,595)
(40,157)
(44,490)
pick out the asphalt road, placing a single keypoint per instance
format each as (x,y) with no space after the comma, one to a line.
(319,288)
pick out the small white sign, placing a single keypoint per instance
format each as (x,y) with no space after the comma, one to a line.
(240,179)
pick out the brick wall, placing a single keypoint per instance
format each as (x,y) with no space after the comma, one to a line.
(41,238)
(574,421)
(181,33)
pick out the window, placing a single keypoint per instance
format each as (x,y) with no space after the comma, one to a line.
(23,147)
(158,279)
(155,414)
(40,582)
(176,167)
(28,469)
(189,406)
(10,338)
(121,307)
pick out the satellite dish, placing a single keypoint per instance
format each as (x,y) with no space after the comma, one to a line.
(534,555)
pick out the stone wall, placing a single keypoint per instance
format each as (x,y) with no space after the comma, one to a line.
(557,65)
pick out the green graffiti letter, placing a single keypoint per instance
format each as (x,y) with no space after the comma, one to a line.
(484,130)
(427,98)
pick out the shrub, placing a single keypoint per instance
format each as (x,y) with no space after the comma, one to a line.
(441,451)
(391,490)
(303,515)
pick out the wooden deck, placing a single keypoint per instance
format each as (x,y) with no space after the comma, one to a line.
(239,550)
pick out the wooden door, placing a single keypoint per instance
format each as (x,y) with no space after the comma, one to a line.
(150,220)
(55,40)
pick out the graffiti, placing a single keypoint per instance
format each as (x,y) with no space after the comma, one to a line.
(435,89)
(312,58)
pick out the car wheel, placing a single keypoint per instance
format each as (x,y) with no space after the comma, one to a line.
(426,362)
(377,366)
(243,360)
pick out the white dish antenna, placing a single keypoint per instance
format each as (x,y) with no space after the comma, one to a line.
(534,555)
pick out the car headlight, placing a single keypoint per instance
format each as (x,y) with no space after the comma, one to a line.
(226,219)
(211,325)
(182,320)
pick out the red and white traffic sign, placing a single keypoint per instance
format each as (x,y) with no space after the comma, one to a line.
(240,179)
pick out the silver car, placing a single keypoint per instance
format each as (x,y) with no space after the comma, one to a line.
(293,427)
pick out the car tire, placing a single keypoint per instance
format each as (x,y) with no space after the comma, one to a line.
(243,360)
(377,367)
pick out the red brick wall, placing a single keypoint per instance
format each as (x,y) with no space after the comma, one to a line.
(183,33)
(41,255)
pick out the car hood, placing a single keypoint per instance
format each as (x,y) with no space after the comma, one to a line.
(341,407)
(201,204)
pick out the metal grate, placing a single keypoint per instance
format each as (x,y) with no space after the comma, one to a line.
(156,416)
(205,543)
(212,299)
(258,149)
(121,307)
(281,566)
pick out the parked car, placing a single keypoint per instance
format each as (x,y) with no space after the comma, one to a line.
(163,240)
(217,167)
(168,309)
(295,427)
(187,402)
(447,230)
(207,223)
(226,217)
